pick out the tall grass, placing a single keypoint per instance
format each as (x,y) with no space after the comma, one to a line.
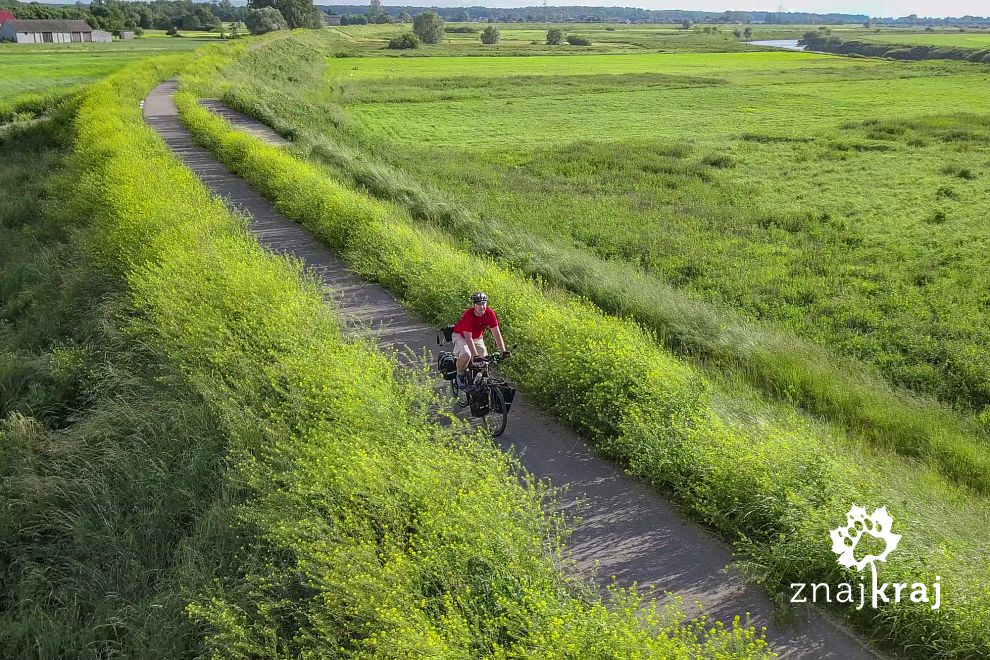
(777,362)
(780,364)
(109,462)
(756,473)
(791,235)
(346,522)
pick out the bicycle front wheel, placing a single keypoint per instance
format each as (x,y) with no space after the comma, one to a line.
(497,416)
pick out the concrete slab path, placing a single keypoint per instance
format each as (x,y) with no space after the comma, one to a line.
(626,529)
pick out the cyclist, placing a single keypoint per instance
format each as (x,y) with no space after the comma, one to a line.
(469,344)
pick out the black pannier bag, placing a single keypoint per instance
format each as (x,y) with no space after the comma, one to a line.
(508,393)
(479,400)
(446,335)
(447,365)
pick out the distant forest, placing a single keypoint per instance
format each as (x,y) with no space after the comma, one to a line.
(606,14)
(621,14)
(114,16)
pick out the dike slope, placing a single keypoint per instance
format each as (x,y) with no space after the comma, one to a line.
(625,528)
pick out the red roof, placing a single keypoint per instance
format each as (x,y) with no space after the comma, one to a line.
(6,16)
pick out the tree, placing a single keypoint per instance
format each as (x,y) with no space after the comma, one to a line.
(206,18)
(577,40)
(264,20)
(234,34)
(748,33)
(376,9)
(404,40)
(405,17)
(490,35)
(296,13)
(554,36)
(737,33)
(428,27)
(686,24)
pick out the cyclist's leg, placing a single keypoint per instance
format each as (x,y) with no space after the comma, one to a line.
(461,357)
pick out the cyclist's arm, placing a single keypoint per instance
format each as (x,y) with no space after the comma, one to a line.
(498,338)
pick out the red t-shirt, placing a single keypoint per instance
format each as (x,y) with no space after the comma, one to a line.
(476,324)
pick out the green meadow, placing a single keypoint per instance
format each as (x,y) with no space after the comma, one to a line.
(837,199)
(528,38)
(802,232)
(27,68)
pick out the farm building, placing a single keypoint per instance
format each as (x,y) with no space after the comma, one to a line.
(50,32)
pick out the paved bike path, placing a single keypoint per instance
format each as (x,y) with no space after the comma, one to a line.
(626,529)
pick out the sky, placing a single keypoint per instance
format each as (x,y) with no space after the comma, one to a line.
(879,8)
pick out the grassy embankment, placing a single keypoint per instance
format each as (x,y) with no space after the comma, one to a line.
(757,472)
(777,249)
(108,459)
(211,447)
(917,48)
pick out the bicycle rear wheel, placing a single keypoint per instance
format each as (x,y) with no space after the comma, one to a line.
(497,416)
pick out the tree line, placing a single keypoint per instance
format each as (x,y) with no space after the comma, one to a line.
(588,15)
(925,21)
(117,15)
(429,28)
(173,15)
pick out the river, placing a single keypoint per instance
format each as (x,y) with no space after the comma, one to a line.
(787,44)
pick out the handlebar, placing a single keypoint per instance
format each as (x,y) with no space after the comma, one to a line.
(494,357)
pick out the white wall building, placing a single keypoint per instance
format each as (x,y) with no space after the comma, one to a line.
(50,32)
